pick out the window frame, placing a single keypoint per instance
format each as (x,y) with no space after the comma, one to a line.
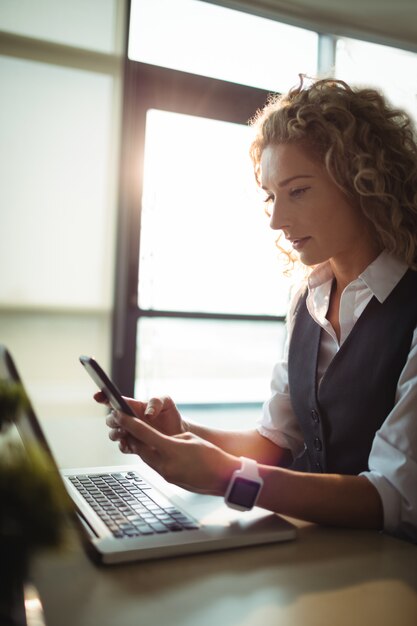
(152,87)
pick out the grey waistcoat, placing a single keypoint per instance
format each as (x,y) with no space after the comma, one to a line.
(339,421)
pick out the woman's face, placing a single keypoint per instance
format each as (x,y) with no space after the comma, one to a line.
(312,212)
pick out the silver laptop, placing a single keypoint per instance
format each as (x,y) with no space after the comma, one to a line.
(129,513)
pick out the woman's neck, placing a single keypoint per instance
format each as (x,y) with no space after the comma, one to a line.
(346,270)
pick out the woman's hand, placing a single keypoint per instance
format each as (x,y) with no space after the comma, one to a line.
(184,459)
(160,413)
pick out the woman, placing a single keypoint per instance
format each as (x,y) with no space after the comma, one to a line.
(337,440)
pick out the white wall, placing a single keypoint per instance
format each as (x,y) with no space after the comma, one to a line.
(60,77)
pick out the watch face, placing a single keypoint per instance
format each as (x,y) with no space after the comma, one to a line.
(244,492)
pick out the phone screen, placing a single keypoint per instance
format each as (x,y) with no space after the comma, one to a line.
(104,383)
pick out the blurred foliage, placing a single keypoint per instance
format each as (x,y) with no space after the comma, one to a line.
(33,501)
(12,400)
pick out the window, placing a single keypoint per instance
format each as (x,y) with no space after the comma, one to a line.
(209,40)
(204,234)
(390,69)
(201,297)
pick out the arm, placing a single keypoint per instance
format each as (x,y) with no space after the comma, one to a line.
(163,415)
(350,501)
(328,499)
(247,443)
(393,457)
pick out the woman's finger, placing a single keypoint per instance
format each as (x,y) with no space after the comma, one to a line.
(111,420)
(156,405)
(116,434)
(143,440)
(142,431)
(137,405)
(100,398)
(130,445)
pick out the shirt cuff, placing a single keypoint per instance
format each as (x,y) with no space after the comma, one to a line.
(390,498)
(280,439)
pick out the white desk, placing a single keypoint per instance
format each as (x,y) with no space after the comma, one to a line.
(326,577)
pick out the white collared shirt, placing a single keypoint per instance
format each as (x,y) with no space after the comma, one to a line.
(393,457)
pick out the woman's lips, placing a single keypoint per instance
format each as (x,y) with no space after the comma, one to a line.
(297,244)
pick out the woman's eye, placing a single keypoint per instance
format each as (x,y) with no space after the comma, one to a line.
(297,193)
(267,201)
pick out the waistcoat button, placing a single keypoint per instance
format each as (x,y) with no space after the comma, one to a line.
(317,444)
(315,416)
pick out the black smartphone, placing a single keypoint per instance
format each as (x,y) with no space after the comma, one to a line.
(104,383)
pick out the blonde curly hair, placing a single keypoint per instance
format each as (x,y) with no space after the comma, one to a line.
(367,147)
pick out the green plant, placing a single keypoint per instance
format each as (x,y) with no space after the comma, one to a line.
(12,400)
(33,506)
(33,501)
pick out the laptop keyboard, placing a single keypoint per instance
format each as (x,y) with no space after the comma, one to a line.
(129,506)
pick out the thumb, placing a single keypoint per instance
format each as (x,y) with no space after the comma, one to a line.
(137,406)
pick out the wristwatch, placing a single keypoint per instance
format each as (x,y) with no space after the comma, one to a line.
(244,487)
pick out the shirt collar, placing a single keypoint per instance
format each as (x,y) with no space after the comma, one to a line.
(381,276)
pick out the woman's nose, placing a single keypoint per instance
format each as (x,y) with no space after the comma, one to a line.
(278,219)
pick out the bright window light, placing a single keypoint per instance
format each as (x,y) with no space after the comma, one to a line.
(201,38)
(205,244)
(205,362)
(392,70)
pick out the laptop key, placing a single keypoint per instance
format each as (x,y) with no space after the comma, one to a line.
(181,517)
(144,529)
(173,526)
(134,518)
(191,526)
(132,532)
(158,498)
(159,528)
